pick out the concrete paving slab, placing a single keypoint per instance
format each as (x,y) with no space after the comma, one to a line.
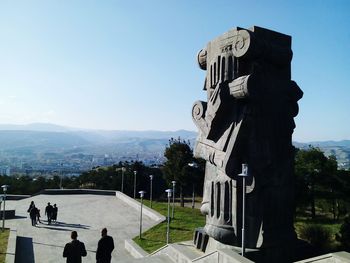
(86,214)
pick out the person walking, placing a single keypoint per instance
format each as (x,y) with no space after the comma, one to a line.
(74,250)
(54,213)
(33,214)
(105,247)
(38,215)
(48,212)
(30,206)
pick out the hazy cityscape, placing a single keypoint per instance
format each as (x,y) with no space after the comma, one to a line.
(48,150)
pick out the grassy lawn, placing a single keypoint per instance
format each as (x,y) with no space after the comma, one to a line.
(187,219)
(3,244)
(181,227)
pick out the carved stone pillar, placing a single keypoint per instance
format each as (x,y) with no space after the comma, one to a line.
(248,118)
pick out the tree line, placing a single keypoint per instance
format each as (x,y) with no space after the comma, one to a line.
(320,187)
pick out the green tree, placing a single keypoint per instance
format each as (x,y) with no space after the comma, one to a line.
(330,183)
(309,165)
(342,192)
(344,234)
(178,154)
(109,178)
(196,171)
(317,178)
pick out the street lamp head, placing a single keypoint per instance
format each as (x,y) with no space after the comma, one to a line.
(4,187)
(244,170)
(169,191)
(135,172)
(173,182)
(151,177)
(142,193)
(120,169)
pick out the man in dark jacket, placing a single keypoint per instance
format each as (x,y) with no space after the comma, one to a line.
(74,250)
(33,214)
(104,248)
(48,212)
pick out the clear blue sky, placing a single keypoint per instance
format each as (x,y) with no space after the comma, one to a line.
(131,65)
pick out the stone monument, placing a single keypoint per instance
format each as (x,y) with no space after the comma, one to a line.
(248,119)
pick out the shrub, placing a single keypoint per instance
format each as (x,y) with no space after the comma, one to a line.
(344,234)
(317,235)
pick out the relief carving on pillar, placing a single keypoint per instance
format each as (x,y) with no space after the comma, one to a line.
(248,118)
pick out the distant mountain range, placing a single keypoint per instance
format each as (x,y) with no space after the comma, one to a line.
(41,138)
(44,144)
(96,135)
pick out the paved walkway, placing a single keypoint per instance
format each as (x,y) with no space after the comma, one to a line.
(87,214)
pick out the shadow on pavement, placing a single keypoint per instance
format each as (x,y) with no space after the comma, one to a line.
(62,224)
(17,217)
(38,243)
(53,228)
(24,250)
(49,245)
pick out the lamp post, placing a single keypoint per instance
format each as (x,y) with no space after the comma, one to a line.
(151,190)
(61,174)
(1,199)
(243,174)
(168,191)
(194,165)
(313,180)
(142,193)
(173,208)
(193,197)
(123,170)
(4,188)
(135,173)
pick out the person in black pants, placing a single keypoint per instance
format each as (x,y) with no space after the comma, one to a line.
(33,214)
(48,212)
(104,248)
(54,213)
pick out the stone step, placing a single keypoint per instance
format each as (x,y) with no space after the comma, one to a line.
(229,255)
(151,259)
(180,252)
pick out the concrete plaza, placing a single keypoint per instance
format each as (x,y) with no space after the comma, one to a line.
(87,214)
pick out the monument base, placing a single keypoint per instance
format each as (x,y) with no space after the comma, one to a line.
(200,239)
(216,252)
(300,249)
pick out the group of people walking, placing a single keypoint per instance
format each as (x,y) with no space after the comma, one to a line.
(50,212)
(75,249)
